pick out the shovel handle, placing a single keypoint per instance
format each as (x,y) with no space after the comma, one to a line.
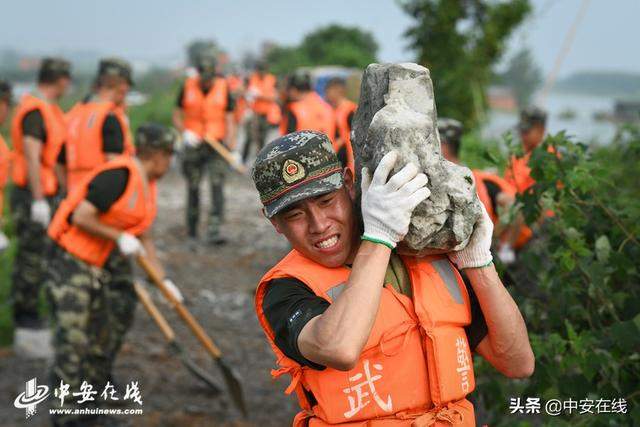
(153,311)
(226,154)
(193,324)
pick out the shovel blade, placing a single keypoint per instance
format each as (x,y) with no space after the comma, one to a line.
(232,380)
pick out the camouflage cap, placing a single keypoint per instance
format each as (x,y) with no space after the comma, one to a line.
(531,116)
(155,136)
(295,167)
(115,67)
(51,69)
(6,93)
(449,129)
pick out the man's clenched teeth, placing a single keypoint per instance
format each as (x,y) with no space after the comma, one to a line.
(327,243)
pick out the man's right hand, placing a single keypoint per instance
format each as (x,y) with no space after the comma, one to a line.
(41,212)
(190,139)
(387,205)
(130,245)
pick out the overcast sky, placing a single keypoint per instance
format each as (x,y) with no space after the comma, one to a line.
(159,29)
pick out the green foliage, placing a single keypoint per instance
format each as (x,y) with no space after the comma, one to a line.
(577,283)
(459,41)
(330,45)
(158,109)
(522,76)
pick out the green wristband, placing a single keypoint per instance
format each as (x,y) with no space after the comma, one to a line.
(480,266)
(374,240)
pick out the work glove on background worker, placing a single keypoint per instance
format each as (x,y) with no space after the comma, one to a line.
(477,253)
(41,212)
(4,242)
(387,205)
(130,245)
(190,139)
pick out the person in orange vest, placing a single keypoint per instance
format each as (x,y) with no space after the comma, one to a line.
(98,129)
(5,156)
(261,95)
(371,336)
(344,110)
(102,223)
(532,128)
(495,193)
(204,111)
(305,109)
(38,132)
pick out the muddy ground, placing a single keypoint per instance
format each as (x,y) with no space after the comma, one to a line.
(218,283)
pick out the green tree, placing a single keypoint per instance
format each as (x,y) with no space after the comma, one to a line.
(330,45)
(459,41)
(522,76)
(576,284)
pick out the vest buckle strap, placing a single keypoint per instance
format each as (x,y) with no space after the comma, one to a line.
(445,414)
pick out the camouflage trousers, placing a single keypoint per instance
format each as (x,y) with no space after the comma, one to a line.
(30,263)
(197,161)
(92,309)
(256,132)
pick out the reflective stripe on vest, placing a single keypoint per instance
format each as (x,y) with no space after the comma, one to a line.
(133,213)
(55,126)
(85,145)
(416,361)
(204,115)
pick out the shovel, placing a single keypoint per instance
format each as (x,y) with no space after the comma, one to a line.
(226,154)
(168,333)
(231,378)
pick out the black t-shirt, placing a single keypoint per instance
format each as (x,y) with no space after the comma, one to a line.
(112,138)
(33,125)
(231,102)
(289,304)
(107,187)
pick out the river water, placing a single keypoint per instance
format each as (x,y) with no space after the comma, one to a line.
(582,127)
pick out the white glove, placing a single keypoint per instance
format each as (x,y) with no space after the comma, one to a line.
(4,242)
(173,289)
(506,254)
(251,95)
(387,206)
(41,212)
(129,245)
(477,253)
(190,139)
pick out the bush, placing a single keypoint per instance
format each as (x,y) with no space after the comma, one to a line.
(577,284)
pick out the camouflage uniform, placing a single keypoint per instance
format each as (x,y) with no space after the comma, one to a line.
(195,162)
(92,309)
(30,264)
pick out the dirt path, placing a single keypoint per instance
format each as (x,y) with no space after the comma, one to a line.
(218,284)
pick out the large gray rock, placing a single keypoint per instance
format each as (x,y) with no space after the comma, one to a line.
(397,112)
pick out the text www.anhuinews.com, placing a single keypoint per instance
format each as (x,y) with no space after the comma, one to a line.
(96,411)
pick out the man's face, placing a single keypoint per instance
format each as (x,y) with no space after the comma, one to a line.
(120,92)
(61,85)
(532,137)
(447,151)
(4,111)
(322,228)
(334,94)
(161,164)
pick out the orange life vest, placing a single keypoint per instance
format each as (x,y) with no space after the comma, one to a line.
(342,112)
(84,146)
(133,213)
(264,85)
(204,115)
(5,164)
(312,113)
(416,366)
(54,123)
(524,232)
(236,86)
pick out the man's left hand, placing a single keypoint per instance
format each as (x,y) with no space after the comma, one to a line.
(477,253)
